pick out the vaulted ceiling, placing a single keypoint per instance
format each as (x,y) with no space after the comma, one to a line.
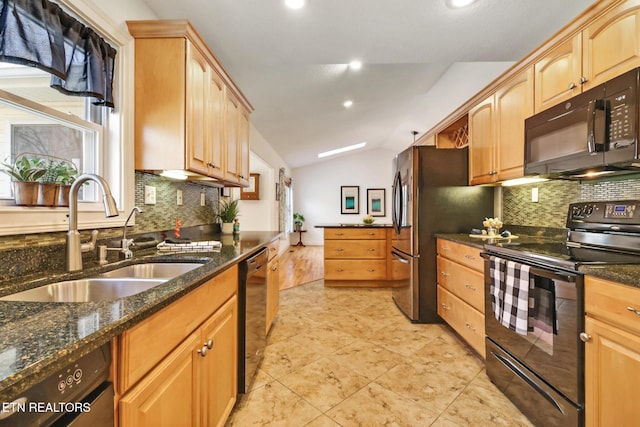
(420,60)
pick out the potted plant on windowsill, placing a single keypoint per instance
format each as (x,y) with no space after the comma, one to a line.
(66,172)
(227,212)
(298,221)
(25,173)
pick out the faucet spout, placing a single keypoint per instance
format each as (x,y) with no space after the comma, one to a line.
(133,211)
(74,251)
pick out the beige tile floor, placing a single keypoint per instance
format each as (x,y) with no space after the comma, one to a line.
(348,357)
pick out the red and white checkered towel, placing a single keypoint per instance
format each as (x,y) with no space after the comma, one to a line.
(510,285)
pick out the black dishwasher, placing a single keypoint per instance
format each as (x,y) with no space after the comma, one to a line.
(252,319)
(77,395)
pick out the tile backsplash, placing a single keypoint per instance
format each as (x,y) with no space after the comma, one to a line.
(161,216)
(554,199)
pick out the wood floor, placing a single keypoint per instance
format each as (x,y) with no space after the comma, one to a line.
(300,265)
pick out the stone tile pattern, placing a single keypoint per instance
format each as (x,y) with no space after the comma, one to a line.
(555,197)
(348,357)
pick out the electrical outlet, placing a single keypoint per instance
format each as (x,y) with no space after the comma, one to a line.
(179,197)
(534,194)
(149,195)
(203,199)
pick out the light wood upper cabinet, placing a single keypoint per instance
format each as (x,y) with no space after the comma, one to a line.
(496,131)
(513,104)
(558,73)
(608,46)
(481,140)
(612,353)
(189,114)
(611,44)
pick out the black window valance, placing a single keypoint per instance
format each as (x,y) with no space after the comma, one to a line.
(40,34)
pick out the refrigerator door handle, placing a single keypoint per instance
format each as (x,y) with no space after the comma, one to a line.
(396,205)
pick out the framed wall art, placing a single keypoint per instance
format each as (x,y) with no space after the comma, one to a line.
(349,199)
(376,201)
(252,192)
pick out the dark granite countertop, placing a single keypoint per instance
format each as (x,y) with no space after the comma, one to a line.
(626,274)
(36,338)
(355,224)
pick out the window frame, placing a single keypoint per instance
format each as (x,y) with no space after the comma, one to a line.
(116,157)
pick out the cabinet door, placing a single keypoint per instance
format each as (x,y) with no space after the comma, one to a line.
(612,369)
(558,73)
(243,147)
(168,396)
(197,95)
(273,291)
(514,103)
(220,364)
(481,139)
(215,126)
(232,127)
(611,44)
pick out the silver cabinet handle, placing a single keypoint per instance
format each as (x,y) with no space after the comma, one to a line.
(371,270)
(634,310)
(445,306)
(203,351)
(209,344)
(339,234)
(339,270)
(444,273)
(371,250)
(445,248)
(339,249)
(572,86)
(372,234)
(469,257)
(582,80)
(468,286)
(585,337)
(469,326)
(274,268)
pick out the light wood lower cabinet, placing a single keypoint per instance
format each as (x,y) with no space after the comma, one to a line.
(357,256)
(273,291)
(190,382)
(461,291)
(612,353)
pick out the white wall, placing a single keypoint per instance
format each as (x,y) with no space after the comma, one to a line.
(259,215)
(316,189)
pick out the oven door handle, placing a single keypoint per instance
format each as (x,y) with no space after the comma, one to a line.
(553,275)
(549,274)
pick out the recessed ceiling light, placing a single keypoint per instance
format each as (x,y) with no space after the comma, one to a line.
(342,150)
(459,3)
(355,65)
(294,4)
(348,103)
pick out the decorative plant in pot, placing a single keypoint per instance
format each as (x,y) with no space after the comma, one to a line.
(25,173)
(66,172)
(298,220)
(227,212)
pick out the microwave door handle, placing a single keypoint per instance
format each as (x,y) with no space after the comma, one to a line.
(597,109)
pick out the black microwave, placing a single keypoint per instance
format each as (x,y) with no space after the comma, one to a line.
(593,133)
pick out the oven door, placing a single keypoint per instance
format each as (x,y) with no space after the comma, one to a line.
(552,348)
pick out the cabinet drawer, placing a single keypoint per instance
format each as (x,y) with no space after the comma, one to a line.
(614,302)
(355,270)
(361,249)
(463,282)
(148,342)
(466,321)
(462,254)
(273,248)
(355,233)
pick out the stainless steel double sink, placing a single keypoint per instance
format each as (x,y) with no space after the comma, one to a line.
(108,286)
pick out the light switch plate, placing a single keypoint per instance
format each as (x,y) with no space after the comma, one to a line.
(149,195)
(179,197)
(203,200)
(534,194)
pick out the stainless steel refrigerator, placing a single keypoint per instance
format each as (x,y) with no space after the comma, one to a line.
(430,195)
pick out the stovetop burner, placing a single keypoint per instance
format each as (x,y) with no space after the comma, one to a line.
(599,233)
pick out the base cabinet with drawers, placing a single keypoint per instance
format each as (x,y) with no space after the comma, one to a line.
(461,291)
(179,366)
(356,256)
(612,353)
(273,283)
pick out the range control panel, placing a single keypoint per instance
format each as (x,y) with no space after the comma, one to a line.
(601,215)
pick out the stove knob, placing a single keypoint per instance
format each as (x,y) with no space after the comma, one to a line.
(589,210)
(577,211)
